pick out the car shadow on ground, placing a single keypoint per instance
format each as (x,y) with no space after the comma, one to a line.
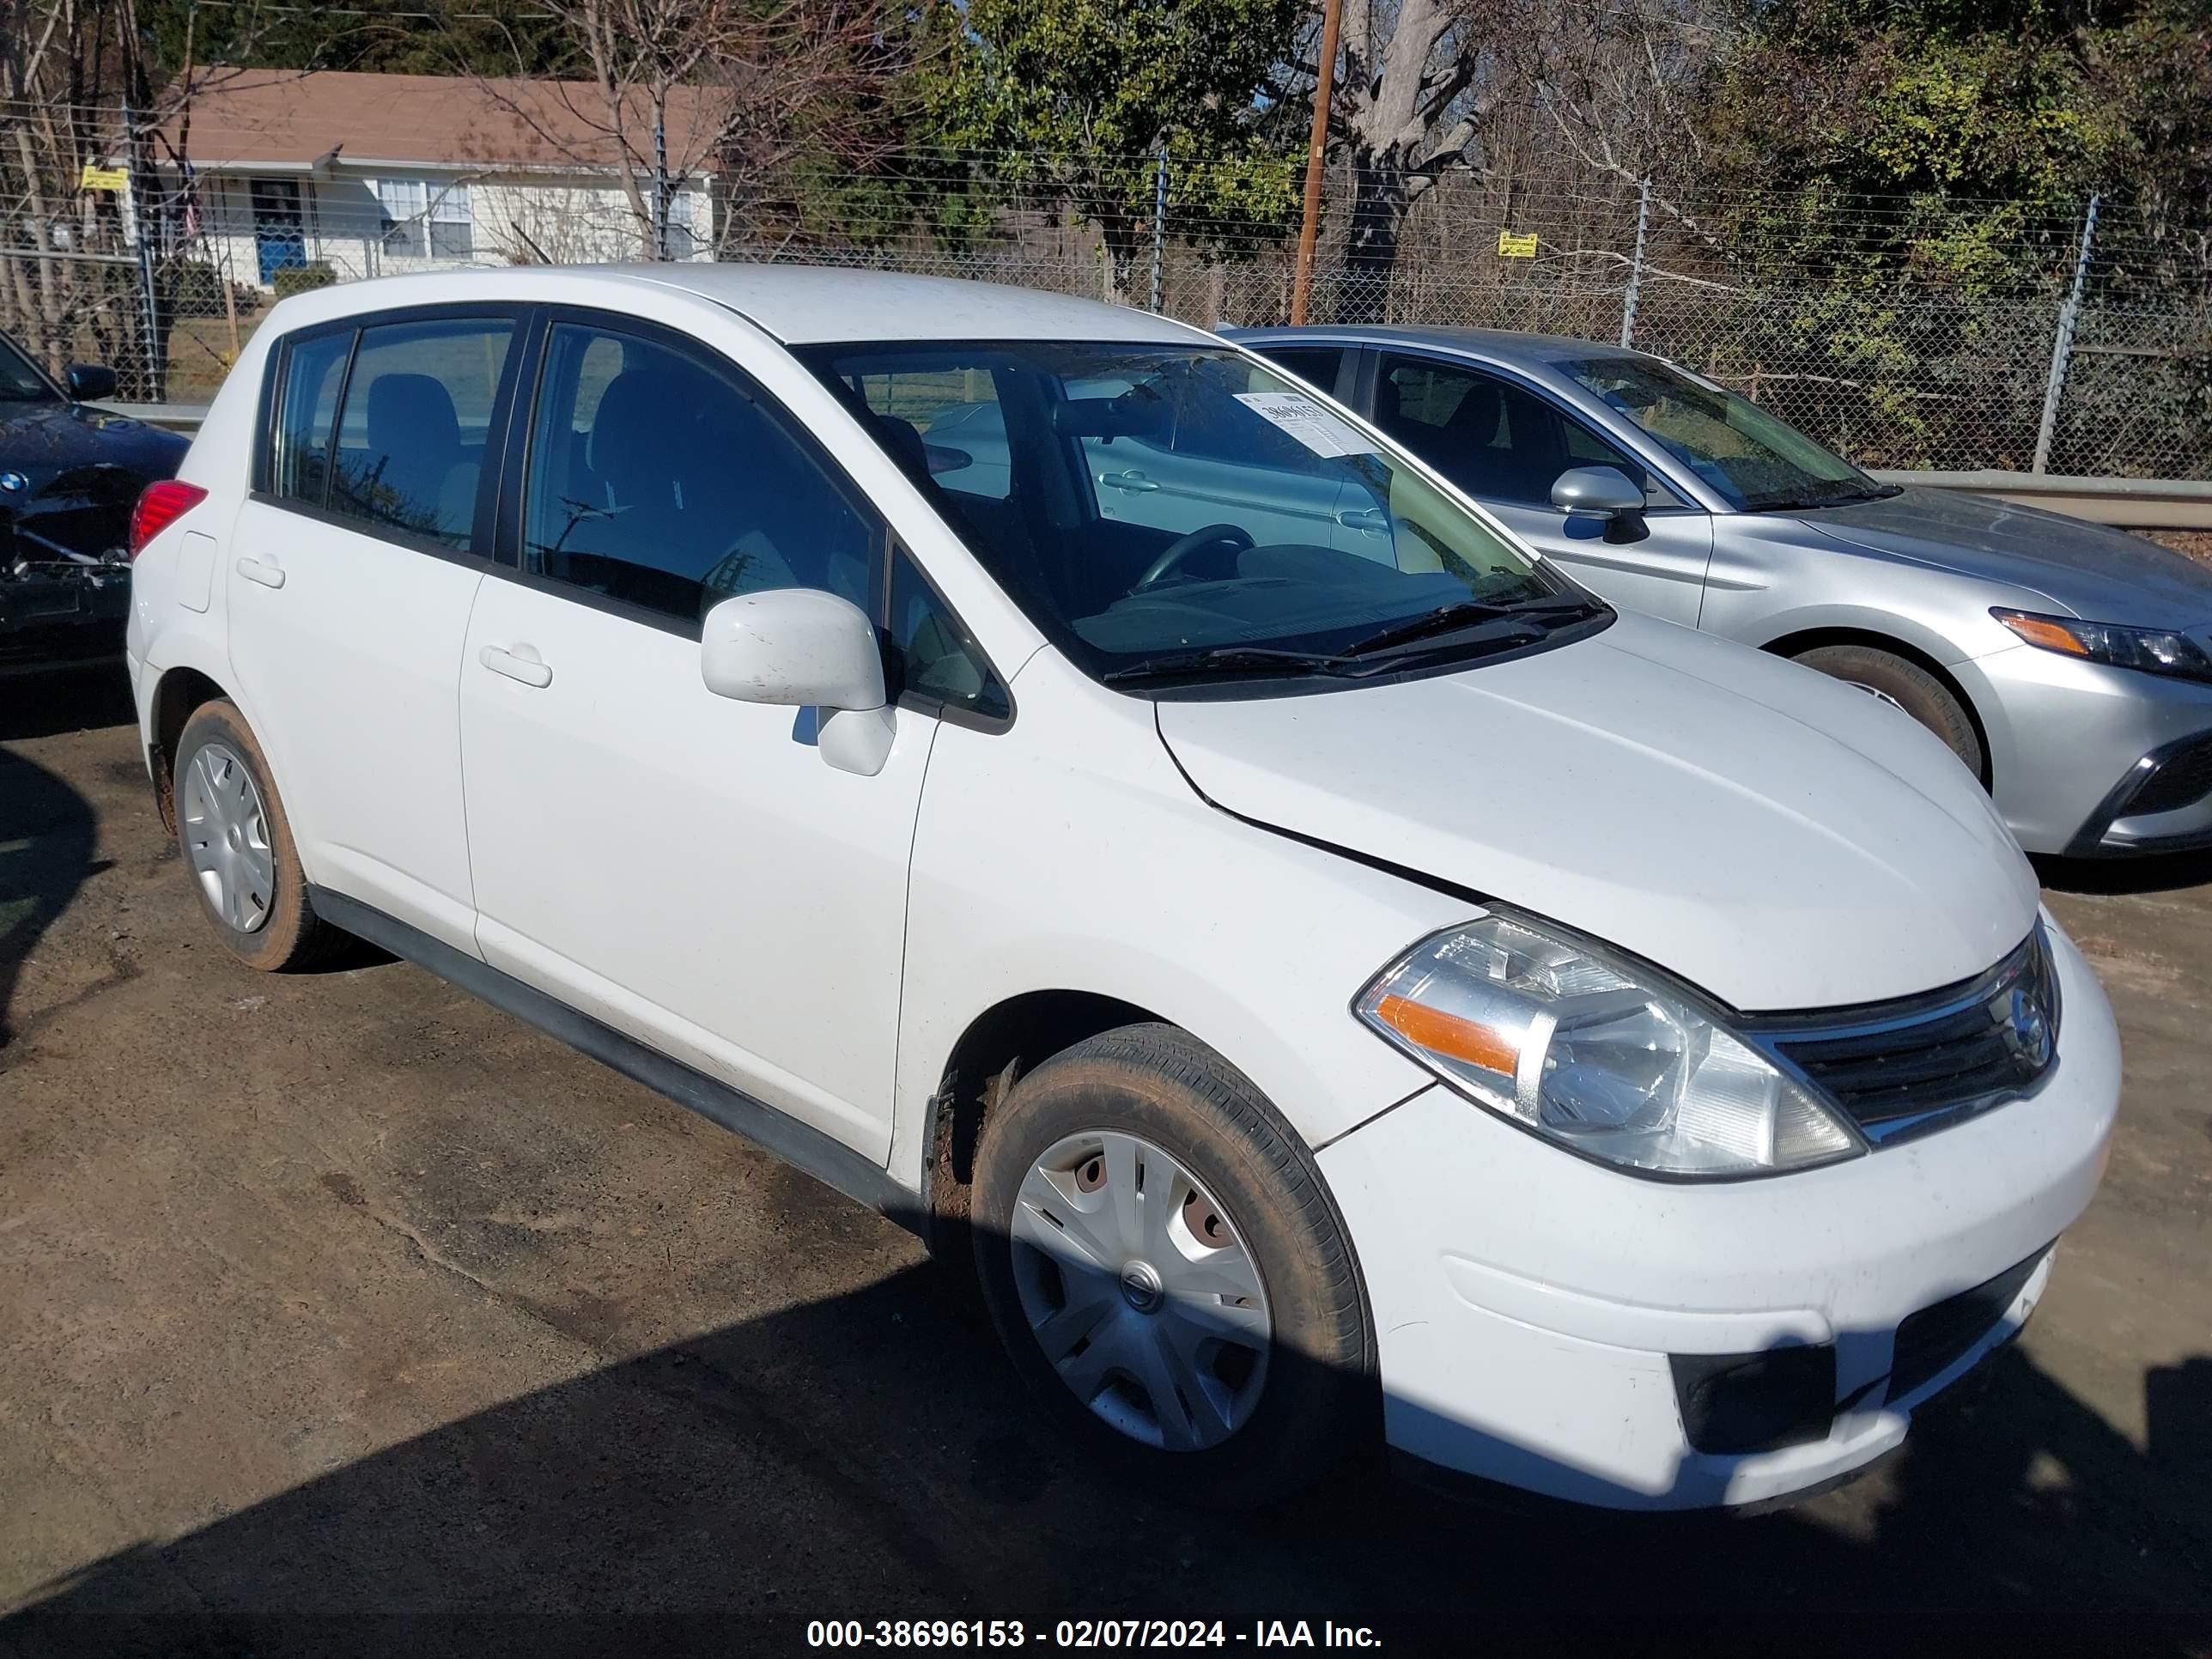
(2154,872)
(47,702)
(650,1505)
(48,838)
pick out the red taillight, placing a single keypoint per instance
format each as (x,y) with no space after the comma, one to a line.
(159,505)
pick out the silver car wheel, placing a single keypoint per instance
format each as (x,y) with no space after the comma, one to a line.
(227,838)
(1139,1291)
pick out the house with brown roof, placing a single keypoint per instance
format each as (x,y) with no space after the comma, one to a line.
(378,174)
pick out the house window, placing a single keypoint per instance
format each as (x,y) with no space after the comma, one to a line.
(452,228)
(682,241)
(426,220)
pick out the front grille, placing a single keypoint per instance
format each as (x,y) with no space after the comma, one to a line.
(1934,1339)
(1902,1067)
(2182,779)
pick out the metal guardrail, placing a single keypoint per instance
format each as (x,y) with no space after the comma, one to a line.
(2136,503)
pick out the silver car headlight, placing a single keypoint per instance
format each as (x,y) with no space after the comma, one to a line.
(2153,650)
(1597,1053)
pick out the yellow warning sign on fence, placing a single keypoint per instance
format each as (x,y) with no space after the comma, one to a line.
(95,177)
(1513,246)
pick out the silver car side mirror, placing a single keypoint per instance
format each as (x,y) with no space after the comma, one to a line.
(1599,492)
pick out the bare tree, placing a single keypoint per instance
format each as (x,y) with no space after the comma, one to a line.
(1431,89)
(1411,106)
(679,90)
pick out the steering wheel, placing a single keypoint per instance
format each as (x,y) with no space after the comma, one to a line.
(1208,535)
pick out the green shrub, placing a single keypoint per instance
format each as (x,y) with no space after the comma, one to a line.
(300,279)
(192,288)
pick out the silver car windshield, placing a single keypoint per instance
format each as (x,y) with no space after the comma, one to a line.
(1171,511)
(1757,463)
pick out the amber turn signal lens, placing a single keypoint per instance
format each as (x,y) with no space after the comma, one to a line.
(1448,1034)
(2038,630)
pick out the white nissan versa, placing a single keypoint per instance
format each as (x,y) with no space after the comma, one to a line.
(1312,951)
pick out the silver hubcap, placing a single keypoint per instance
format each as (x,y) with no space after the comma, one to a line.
(1140,1292)
(227,838)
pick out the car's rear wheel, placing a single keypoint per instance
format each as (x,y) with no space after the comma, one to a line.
(1162,1262)
(237,844)
(1904,685)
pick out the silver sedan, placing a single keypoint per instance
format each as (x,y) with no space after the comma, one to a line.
(2069,665)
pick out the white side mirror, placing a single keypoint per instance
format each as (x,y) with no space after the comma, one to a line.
(796,646)
(799,647)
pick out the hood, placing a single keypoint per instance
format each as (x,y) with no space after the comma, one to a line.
(42,440)
(1775,837)
(2104,575)
(82,470)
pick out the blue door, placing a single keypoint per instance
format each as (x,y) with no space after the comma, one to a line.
(276,238)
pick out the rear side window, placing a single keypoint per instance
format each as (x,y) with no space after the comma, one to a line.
(410,438)
(1315,365)
(654,480)
(307,408)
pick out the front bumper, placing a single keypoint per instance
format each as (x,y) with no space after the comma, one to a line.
(2071,742)
(1531,1306)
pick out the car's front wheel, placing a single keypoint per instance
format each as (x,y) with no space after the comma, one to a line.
(1162,1260)
(1904,685)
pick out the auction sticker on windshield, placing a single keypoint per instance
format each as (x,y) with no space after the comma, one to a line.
(1306,421)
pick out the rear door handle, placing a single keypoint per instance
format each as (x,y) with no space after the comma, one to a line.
(523,664)
(267,572)
(1132,480)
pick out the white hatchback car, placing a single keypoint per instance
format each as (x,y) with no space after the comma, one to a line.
(1333,983)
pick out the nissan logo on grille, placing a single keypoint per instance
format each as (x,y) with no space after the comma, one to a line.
(2027,1030)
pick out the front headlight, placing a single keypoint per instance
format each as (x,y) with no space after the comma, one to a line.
(2153,650)
(1596,1053)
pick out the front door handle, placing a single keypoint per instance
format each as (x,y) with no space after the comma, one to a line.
(267,572)
(1133,480)
(522,663)
(1365,518)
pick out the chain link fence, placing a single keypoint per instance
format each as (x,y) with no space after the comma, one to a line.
(1904,332)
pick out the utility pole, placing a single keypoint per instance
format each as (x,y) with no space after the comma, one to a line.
(1324,90)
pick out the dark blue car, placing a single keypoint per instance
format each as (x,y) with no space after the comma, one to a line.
(70,474)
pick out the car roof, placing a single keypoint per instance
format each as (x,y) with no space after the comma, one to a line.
(805,304)
(1494,343)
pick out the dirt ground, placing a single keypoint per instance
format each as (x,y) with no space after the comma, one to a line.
(339,1313)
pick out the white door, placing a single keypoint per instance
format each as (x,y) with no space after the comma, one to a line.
(688,869)
(350,581)
(1506,446)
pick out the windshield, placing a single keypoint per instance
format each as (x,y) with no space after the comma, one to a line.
(1166,511)
(21,383)
(1756,462)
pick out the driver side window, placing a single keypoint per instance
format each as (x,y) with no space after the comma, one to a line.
(1495,439)
(654,481)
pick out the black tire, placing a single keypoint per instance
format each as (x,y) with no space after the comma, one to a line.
(291,936)
(1910,686)
(1316,1400)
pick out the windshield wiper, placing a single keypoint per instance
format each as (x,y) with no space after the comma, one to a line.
(1880,492)
(1468,613)
(1228,658)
